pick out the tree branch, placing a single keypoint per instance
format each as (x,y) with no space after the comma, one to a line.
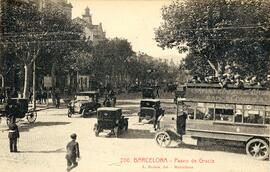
(35,56)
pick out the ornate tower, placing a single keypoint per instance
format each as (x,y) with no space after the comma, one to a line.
(87,16)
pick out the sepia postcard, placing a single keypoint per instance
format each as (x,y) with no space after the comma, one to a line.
(134,85)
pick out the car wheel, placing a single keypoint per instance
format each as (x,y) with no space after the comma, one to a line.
(96,133)
(96,129)
(163,139)
(117,131)
(258,149)
(126,126)
(69,113)
(84,113)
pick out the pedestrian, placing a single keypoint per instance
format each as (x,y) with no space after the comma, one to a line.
(45,96)
(157,91)
(107,102)
(73,153)
(13,135)
(57,100)
(30,98)
(181,123)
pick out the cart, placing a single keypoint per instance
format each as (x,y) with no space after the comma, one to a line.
(17,108)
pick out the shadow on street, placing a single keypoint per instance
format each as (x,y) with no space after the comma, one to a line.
(217,147)
(61,150)
(137,134)
(26,127)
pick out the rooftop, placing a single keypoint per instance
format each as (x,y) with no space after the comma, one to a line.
(108,109)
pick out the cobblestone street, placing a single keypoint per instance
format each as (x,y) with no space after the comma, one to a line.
(42,148)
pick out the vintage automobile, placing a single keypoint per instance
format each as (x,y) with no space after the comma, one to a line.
(84,103)
(17,108)
(150,110)
(110,118)
(134,89)
(149,92)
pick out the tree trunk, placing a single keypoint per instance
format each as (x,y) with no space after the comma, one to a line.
(26,80)
(53,82)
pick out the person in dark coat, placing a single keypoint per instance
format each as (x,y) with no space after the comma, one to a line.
(13,135)
(73,153)
(181,123)
(57,97)
(44,96)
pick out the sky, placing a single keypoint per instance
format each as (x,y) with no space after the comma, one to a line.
(134,20)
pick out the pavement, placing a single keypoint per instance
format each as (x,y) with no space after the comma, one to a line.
(42,148)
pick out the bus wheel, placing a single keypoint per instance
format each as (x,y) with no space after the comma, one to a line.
(258,149)
(163,139)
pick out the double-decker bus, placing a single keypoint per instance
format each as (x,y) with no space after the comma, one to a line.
(233,115)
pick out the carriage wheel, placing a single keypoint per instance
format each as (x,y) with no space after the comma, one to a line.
(258,149)
(163,139)
(31,117)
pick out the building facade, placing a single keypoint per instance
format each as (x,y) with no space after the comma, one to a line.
(92,32)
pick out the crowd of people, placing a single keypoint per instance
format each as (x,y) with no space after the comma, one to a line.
(234,78)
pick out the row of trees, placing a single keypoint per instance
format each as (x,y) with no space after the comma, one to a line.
(113,61)
(30,35)
(57,47)
(216,33)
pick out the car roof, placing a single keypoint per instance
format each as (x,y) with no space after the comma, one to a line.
(88,92)
(150,100)
(148,88)
(108,109)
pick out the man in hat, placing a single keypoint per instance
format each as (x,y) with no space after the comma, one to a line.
(238,82)
(266,83)
(73,152)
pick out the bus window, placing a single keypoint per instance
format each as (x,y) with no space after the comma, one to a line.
(224,114)
(209,114)
(253,116)
(267,117)
(200,113)
(238,116)
(190,112)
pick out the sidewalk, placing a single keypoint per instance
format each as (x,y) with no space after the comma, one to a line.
(48,105)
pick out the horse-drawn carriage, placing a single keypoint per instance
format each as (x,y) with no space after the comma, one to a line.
(15,108)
